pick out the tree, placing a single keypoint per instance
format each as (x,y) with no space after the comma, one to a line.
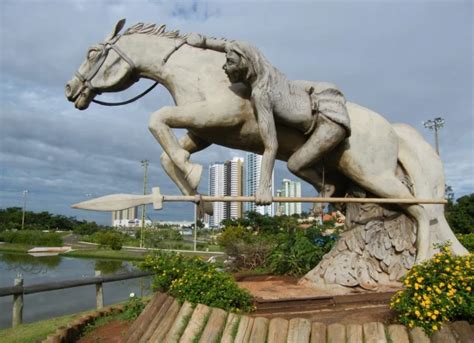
(460,215)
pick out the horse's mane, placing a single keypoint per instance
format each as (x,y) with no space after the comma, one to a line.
(153,29)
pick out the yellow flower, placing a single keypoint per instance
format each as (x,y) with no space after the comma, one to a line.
(417,286)
(468,288)
(420,279)
(433,316)
(417,313)
(441,284)
(434,327)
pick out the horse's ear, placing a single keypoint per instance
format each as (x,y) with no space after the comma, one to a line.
(119,26)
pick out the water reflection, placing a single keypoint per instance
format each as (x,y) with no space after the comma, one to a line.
(29,264)
(110,267)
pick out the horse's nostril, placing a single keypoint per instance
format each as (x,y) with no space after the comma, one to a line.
(68,90)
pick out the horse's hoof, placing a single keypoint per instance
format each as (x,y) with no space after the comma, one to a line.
(194,176)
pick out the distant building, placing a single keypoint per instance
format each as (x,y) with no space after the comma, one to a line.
(216,188)
(127,218)
(233,182)
(252,167)
(291,189)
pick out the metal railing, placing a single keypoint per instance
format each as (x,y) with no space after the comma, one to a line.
(19,290)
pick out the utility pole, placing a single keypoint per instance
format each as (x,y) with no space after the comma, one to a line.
(142,232)
(434,125)
(25,192)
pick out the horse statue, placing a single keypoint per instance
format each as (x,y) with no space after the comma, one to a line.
(215,111)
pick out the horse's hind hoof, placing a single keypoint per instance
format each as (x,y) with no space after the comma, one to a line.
(194,176)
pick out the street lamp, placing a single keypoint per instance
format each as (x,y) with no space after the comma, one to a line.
(434,125)
(145,166)
(25,192)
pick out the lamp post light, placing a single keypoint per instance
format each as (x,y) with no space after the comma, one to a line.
(434,125)
(142,238)
(25,192)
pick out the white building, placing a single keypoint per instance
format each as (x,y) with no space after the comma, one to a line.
(290,189)
(127,218)
(233,180)
(252,169)
(216,187)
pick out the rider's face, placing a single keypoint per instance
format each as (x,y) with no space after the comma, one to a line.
(233,67)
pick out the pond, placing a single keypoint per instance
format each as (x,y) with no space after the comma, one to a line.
(50,304)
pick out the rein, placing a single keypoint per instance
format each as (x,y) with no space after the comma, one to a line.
(106,47)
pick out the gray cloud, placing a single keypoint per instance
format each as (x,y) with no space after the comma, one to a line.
(410,61)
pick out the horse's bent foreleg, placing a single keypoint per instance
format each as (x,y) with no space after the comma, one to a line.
(191,143)
(389,186)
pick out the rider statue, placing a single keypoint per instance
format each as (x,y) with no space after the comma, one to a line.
(317,109)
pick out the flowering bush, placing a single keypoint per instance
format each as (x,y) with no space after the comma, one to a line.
(436,291)
(133,307)
(196,281)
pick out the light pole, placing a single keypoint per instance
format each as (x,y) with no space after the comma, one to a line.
(145,166)
(25,192)
(434,125)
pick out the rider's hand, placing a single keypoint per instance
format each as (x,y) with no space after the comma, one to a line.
(196,39)
(263,196)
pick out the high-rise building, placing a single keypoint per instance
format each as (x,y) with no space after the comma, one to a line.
(290,189)
(216,188)
(126,218)
(233,180)
(253,163)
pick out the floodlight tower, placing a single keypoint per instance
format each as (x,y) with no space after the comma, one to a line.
(145,166)
(434,125)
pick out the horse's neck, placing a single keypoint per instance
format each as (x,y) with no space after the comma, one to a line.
(188,73)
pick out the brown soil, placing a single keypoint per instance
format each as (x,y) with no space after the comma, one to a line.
(111,332)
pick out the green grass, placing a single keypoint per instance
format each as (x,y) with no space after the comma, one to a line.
(35,332)
(15,247)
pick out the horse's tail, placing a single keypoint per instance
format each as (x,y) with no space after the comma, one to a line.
(425,169)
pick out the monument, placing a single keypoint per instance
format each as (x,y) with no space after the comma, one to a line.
(253,107)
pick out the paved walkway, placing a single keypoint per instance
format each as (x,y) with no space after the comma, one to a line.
(165,320)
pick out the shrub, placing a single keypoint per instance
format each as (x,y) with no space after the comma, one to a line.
(32,237)
(108,238)
(133,307)
(299,251)
(196,281)
(467,241)
(436,291)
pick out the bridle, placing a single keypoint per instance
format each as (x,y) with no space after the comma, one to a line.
(104,51)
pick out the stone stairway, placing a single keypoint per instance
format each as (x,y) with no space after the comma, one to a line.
(165,320)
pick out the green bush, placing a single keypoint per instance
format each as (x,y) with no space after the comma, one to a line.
(196,281)
(299,251)
(112,239)
(133,307)
(467,241)
(436,291)
(32,237)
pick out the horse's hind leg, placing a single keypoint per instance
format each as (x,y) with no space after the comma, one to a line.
(389,186)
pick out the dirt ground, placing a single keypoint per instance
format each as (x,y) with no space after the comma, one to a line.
(112,332)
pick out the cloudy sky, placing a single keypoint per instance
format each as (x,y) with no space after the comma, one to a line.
(408,60)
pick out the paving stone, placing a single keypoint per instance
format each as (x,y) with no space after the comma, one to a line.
(444,335)
(463,331)
(299,330)
(417,335)
(244,330)
(259,330)
(156,320)
(231,322)
(336,333)
(161,330)
(214,326)
(318,332)
(175,332)
(374,333)
(398,334)
(195,323)
(354,333)
(277,330)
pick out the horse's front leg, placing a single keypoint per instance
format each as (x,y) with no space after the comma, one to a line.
(160,126)
(192,144)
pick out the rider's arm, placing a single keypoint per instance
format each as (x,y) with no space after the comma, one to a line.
(200,41)
(267,128)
